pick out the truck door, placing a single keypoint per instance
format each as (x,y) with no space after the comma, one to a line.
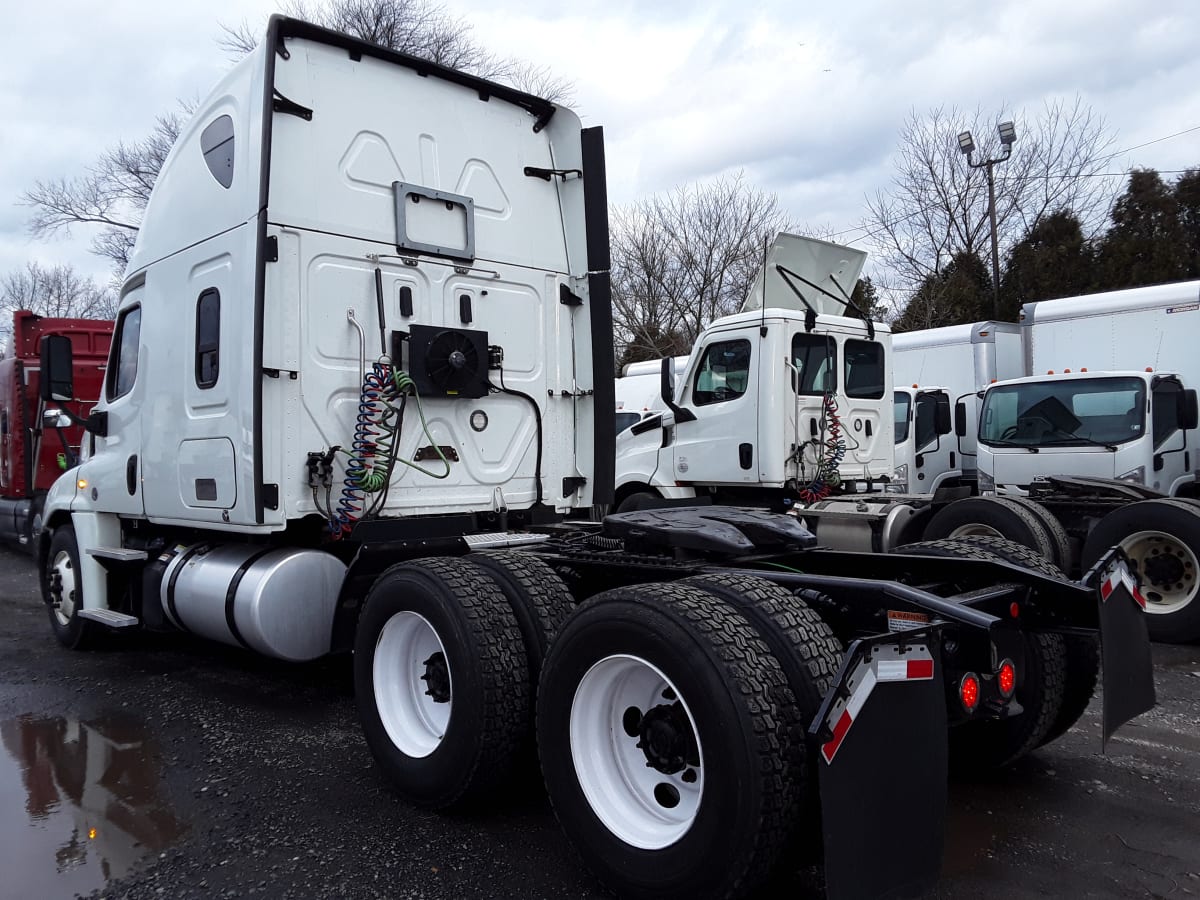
(1171,460)
(115,470)
(719,446)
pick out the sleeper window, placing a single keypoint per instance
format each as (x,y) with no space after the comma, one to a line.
(208,338)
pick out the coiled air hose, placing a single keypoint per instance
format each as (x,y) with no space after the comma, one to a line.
(832,447)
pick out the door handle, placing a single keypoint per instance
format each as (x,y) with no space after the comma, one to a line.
(131,475)
(745,455)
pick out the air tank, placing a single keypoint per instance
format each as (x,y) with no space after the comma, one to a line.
(275,601)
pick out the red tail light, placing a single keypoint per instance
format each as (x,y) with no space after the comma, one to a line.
(968,692)
(1006,678)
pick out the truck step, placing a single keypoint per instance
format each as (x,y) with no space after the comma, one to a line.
(500,539)
(118,554)
(109,617)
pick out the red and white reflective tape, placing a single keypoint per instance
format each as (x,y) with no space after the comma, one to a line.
(887,664)
(1119,574)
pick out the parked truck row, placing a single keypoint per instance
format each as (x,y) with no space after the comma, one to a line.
(1097,449)
(360,398)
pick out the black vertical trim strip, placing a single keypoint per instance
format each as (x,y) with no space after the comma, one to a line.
(262,253)
(595,215)
(231,596)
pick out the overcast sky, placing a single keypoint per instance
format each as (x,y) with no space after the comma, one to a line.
(807,98)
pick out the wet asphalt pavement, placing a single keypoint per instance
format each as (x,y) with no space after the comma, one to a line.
(178,768)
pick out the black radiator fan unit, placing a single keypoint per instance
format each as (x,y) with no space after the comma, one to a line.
(448,362)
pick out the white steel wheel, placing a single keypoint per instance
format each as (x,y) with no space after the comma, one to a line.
(636,752)
(1168,570)
(976,529)
(63,589)
(413,684)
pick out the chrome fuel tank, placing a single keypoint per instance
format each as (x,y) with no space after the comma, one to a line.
(275,601)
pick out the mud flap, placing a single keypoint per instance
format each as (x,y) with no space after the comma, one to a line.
(1128,670)
(881,755)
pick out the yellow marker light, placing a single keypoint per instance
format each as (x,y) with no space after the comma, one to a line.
(81,483)
(91,834)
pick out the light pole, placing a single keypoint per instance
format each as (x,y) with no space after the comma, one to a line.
(966,143)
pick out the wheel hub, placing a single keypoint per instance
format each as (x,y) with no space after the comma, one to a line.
(1163,569)
(665,737)
(437,678)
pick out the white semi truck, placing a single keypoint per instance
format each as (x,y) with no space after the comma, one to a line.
(364,350)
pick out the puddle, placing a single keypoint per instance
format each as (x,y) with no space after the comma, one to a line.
(79,804)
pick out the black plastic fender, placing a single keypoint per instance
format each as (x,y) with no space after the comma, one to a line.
(881,754)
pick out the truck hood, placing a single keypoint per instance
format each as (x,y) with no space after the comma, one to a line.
(1016,466)
(830,270)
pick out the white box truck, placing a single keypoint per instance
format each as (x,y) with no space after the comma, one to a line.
(1099,442)
(364,348)
(956,362)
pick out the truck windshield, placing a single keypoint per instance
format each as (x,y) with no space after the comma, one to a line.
(625,419)
(900,407)
(1075,412)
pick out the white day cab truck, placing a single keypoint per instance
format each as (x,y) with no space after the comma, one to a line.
(360,399)
(1094,436)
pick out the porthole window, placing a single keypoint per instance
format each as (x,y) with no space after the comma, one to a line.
(216,143)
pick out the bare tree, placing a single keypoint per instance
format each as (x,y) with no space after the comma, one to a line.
(685,258)
(937,205)
(112,194)
(55,291)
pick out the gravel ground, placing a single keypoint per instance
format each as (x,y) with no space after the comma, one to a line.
(176,768)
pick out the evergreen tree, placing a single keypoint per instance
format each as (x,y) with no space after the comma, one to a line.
(1052,260)
(866,298)
(960,293)
(1146,243)
(1187,195)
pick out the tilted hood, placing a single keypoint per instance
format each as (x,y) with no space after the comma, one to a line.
(824,273)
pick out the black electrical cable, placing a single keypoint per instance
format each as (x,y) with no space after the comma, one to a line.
(537,413)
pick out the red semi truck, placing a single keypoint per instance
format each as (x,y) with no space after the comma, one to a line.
(37,444)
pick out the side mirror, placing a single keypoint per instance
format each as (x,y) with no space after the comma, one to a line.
(667,382)
(941,414)
(55,418)
(58,373)
(960,419)
(1187,410)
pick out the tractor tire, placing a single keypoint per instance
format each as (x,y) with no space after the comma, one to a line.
(62,590)
(1060,543)
(810,656)
(441,681)
(1162,540)
(996,743)
(662,744)
(1082,652)
(992,516)
(638,500)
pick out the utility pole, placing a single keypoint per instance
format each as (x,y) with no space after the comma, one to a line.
(966,143)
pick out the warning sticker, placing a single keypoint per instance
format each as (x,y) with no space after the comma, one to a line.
(901,620)
(1190,307)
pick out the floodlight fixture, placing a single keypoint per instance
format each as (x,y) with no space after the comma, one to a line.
(1008,134)
(966,143)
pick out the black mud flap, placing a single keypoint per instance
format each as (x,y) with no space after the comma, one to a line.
(1128,670)
(881,756)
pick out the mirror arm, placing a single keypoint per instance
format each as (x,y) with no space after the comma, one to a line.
(96,423)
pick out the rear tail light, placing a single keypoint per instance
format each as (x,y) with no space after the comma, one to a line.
(1006,679)
(968,692)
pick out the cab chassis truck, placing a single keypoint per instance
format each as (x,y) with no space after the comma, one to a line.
(709,696)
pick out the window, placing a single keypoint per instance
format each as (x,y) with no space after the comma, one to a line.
(1165,402)
(864,370)
(208,337)
(926,420)
(625,419)
(123,366)
(724,372)
(1064,412)
(900,407)
(216,143)
(814,357)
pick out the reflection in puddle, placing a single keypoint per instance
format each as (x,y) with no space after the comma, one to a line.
(91,808)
